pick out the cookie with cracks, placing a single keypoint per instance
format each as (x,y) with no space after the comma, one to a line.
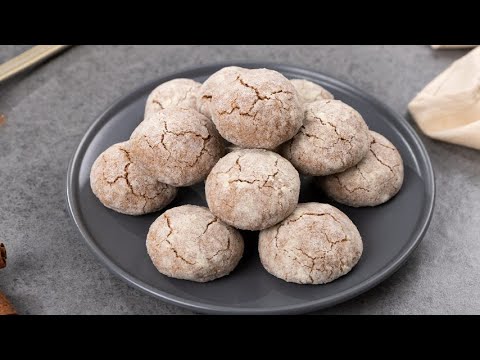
(316,244)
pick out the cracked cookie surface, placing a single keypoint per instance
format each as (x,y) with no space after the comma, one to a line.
(253,108)
(176,92)
(309,91)
(316,244)
(252,189)
(189,242)
(179,145)
(373,181)
(333,138)
(205,94)
(125,186)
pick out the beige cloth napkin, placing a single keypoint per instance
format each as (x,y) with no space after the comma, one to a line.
(448,108)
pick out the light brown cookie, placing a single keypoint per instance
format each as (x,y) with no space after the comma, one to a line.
(254,108)
(176,92)
(188,242)
(373,181)
(309,91)
(333,138)
(125,186)
(226,75)
(252,189)
(316,244)
(179,145)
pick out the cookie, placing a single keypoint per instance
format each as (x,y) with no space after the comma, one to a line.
(252,189)
(309,91)
(188,242)
(179,145)
(373,181)
(253,108)
(316,244)
(125,186)
(225,75)
(333,138)
(176,92)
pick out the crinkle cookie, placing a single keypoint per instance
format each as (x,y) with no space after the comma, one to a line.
(309,91)
(225,75)
(333,138)
(176,92)
(188,242)
(316,244)
(179,145)
(253,108)
(125,186)
(252,189)
(373,181)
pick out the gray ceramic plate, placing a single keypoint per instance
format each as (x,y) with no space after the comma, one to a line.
(390,231)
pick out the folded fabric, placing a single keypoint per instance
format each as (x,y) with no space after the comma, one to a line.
(441,47)
(448,108)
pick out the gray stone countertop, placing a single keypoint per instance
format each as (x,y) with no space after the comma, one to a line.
(48,109)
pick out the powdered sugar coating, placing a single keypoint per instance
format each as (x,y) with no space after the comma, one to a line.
(252,108)
(316,244)
(176,92)
(373,181)
(189,242)
(125,186)
(180,145)
(333,138)
(309,91)
(252,189)
(206,92)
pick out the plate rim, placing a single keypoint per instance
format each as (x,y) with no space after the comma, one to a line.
(388,270)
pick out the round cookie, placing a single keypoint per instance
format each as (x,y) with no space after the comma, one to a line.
(176,92)
(125,186)
(188,242)
(255,108)
(179,145)
(225,75)
(309,91)
(316,244)
(252,189)
(373,181)
(333,138)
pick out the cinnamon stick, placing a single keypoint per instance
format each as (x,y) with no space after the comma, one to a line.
(5,307)
(3,256)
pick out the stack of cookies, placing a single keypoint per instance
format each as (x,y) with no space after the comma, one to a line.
(271,129)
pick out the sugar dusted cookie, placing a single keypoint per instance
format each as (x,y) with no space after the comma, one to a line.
(179,145)
(226,75)
(125,186)
(373,181)
(252,108)
(310,92)
(316,244)
(252,189)
(333,138)
(188,242)
(176,92)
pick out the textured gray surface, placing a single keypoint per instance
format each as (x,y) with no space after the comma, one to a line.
(50,269)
